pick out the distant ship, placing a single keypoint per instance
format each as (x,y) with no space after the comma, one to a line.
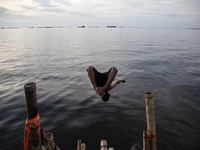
(81,26)
(111,26)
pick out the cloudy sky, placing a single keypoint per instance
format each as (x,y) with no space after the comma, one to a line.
(132,13)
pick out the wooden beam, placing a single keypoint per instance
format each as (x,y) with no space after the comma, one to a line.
(32,112)
(103,145)
(150,116)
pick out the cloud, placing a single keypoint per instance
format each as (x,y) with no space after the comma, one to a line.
(3,11)
(124,12)
(43,3)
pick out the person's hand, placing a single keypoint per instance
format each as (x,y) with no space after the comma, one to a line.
(99,90)
(119,81)
(123,81)
(96,89)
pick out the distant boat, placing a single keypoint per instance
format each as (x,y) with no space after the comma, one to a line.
(111,26)
(81,26)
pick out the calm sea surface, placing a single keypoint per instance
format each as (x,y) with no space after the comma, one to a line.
(163,61)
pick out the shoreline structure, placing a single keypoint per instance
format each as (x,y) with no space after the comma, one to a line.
(41,141)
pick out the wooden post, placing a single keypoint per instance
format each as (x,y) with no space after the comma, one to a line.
(50,142)
(150,115)
(111,148)
(103,145)
(83,146)
(80,145)
(144,140)
(32,112)
(148,140)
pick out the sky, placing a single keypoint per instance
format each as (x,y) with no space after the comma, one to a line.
(128,13)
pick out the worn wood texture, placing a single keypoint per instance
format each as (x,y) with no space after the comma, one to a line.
(144,140)
(103,145)
(31,100)
(79,144)
(148,140)
(83,146)
(50,141)
(150,116)
(32,112)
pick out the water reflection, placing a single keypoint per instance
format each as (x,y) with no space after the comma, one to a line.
(164,61)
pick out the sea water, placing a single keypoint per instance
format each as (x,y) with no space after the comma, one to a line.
(163,61)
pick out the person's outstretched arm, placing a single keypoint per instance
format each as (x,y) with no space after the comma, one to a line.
(114,84)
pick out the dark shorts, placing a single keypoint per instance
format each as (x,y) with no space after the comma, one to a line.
(101,78)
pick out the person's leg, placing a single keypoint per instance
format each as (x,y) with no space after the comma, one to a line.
(91,75)
(111,77)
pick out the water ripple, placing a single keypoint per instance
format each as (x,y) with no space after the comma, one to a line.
(164,61)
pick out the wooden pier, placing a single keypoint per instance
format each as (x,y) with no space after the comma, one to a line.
(41,141)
